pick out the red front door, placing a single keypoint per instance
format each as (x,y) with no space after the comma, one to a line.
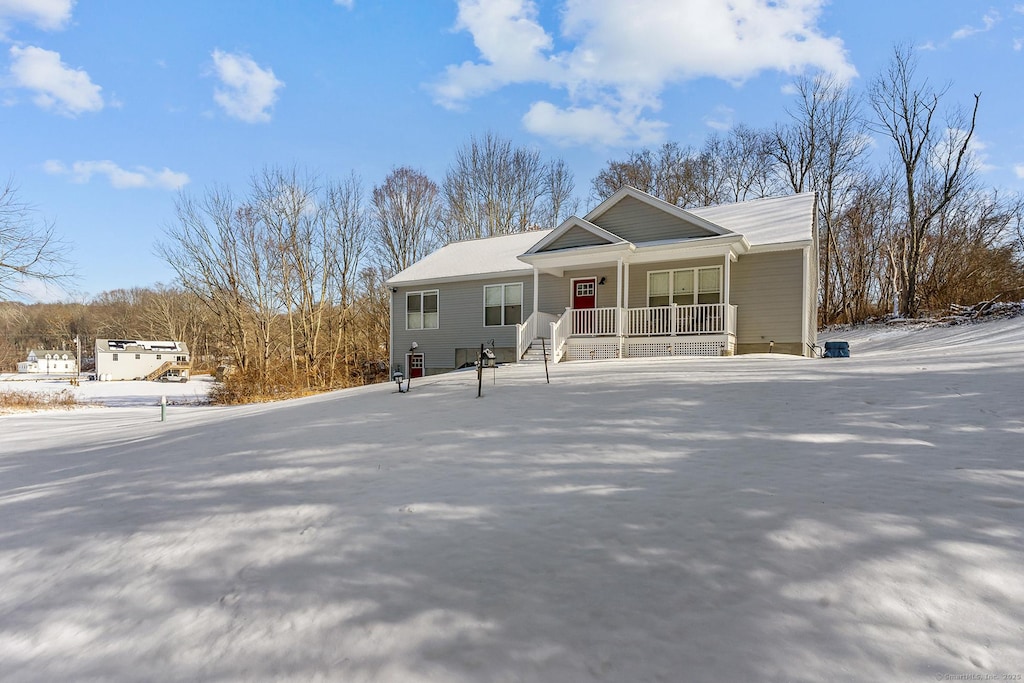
(584,293)
(415,363)
(584,301)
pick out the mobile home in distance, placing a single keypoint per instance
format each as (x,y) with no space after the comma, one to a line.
(149,360)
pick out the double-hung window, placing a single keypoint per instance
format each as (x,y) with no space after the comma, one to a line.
(421,310)
(684,287)
(503,304)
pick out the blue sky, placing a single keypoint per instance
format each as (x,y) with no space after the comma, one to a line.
(109,109)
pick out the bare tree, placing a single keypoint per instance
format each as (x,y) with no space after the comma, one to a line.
(493,188)
(933,160)
(823,148)
(407,212)
(559,201)
(672,173)
(29,248)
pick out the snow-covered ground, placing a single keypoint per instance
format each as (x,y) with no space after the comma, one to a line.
(758,518)
(114,394)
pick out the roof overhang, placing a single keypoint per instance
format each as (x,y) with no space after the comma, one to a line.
(781,246)
(731,245)
(406,284)
(557,262)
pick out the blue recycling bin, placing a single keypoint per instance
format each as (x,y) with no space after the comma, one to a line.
(836,349)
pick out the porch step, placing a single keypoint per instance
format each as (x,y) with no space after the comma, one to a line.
(535,354)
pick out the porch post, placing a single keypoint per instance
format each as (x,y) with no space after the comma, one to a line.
(620,316)
(726,277)
(536,289)
(618,284)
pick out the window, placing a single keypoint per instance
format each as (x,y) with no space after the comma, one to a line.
(421,310)
(503,304)
(679,287)
(115,356)
(158,356)
(138,356)
(585,288)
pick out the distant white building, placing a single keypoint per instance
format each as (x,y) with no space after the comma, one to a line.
(49,362)
(136,359)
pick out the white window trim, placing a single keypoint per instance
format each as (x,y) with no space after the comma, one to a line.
(503,285)
(422,293)
(696,281)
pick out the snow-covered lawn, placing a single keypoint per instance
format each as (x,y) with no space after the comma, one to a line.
(113,394)
(758,518)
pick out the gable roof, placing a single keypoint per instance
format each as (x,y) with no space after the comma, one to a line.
(686,215)
(472,258)
(599,236)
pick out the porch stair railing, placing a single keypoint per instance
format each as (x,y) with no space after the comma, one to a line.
(560,332)
(537,325)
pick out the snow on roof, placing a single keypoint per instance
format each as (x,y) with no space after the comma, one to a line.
(472,257)
(775,220)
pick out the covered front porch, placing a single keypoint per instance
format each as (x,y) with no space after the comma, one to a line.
(614,332)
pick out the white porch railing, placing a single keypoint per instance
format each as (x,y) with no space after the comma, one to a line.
(525,333)
(595,321)
(560,332)
(676,320)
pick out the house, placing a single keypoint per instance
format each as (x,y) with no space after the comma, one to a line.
(149,360)
(635,277)
(49,362)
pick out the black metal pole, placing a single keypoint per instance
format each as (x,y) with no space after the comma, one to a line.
(479,374)
(544,349)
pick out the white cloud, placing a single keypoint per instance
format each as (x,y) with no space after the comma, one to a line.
(595,124)
(1019,170)
(247,91)
(119,178)
(721,118)
(1018,43)
(990,19)
(49,15)
(620,56)
(348,4)
(56,85)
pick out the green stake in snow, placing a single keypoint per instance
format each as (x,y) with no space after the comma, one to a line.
(163,408)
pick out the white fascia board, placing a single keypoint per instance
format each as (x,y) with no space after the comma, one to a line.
(550,261)
(661,205)
(731,245)
(407,284)
(781,246)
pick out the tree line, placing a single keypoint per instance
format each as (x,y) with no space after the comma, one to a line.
(284,281)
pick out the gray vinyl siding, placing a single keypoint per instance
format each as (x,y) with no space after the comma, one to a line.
(811,301)
(767,290)
(460,311)
(636,221)
(576,237)
(556,292)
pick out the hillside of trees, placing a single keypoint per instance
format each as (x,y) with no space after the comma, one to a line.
(284,282)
